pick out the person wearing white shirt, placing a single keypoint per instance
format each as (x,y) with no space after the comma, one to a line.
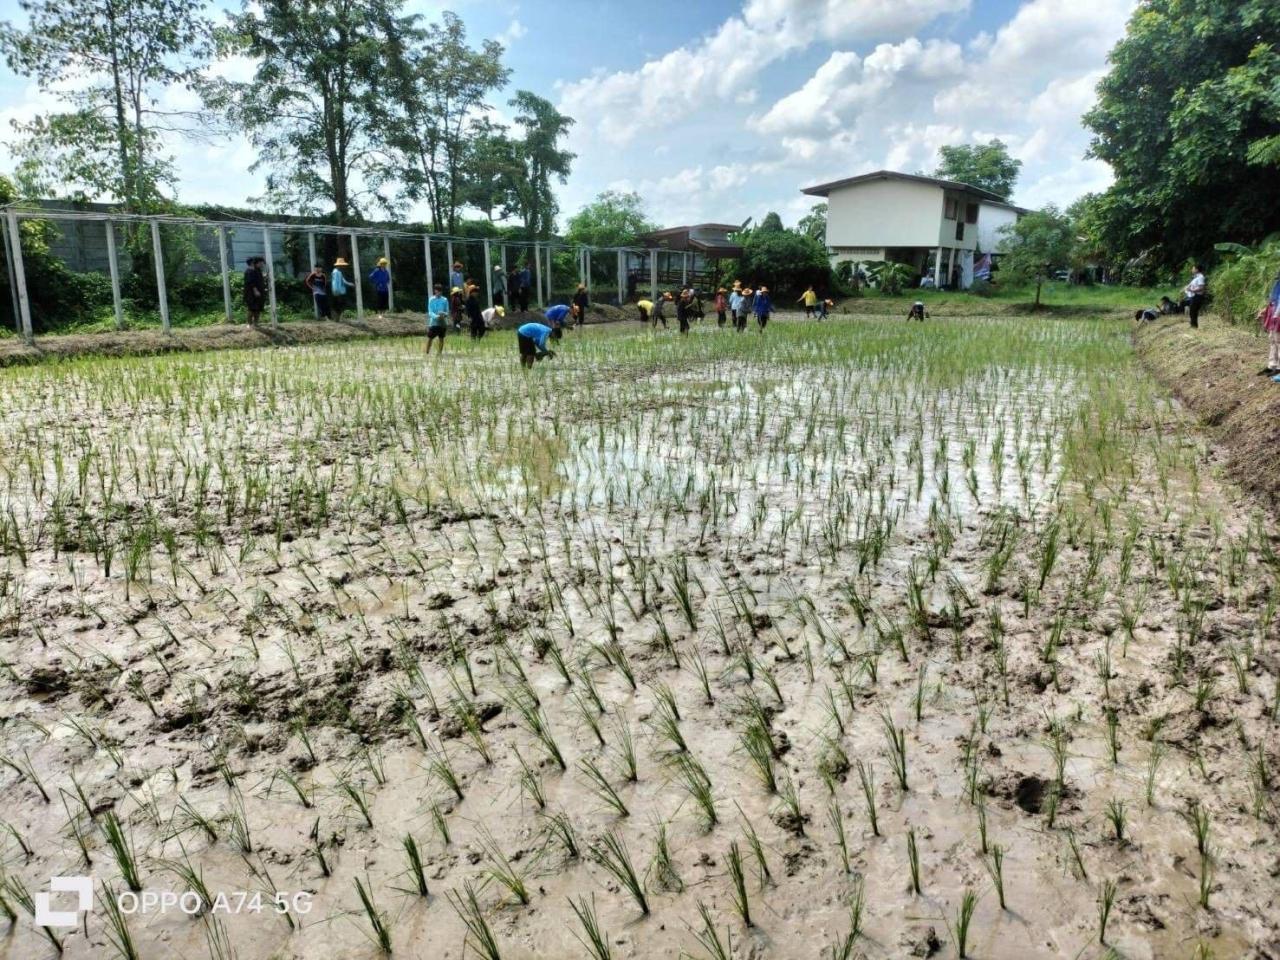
(1194,293)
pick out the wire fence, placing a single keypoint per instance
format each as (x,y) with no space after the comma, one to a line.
(418,260)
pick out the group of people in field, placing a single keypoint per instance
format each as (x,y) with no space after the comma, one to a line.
(732,306)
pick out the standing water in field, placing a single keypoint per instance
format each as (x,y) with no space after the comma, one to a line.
(859,639)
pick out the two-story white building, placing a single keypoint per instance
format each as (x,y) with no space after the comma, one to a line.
(935,226)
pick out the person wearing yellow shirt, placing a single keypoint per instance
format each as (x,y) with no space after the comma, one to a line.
(646,308)
(810,301)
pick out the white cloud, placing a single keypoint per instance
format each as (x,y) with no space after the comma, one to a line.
(515,30)
(726,64)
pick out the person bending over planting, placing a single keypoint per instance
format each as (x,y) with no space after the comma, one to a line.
(532,339)
(437,318)
(556,315)
(645,307)
(918,312)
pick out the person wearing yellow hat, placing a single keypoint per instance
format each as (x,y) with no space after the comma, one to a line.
(492,315)
(744,309)
(338,285)
(581,300)
(380,277)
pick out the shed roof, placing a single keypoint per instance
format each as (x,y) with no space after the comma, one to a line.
(825,189)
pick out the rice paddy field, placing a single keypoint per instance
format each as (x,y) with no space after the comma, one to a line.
(855,639)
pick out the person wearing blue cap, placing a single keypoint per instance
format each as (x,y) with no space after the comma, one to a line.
(532,338)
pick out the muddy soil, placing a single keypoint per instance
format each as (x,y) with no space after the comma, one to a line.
(377,601)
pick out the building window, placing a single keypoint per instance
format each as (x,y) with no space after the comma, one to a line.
(971,213)
(949,209)
(959,230)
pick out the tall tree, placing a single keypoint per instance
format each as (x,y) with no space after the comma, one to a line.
(542,160)
(984,165)
(814,223)
(1188,118)
(612,220)
(312,105)
(435,111)
(772,223)
(491,168)
(110,62)
(1036,245)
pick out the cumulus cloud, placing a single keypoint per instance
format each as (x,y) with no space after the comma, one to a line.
(726,64)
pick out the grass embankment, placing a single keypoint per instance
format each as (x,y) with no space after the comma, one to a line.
(1056,299)
(1214,371)
(193,338)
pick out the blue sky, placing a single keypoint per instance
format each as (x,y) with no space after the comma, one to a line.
(719,110)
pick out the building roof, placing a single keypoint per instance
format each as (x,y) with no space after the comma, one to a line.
(681,239)
(726,227)
(825,189)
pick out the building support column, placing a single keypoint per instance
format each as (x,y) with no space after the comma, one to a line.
(488,274)
(426,255)
(937,270)
(653,275)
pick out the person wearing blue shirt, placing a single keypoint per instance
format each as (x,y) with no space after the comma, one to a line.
(532,339)
(338,289)
(437,318)
(455,275)
(556,314)
(763,307)
(381,280)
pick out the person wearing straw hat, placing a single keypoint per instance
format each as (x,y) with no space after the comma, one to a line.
(456,279)
(457,306)
(581,300)
(255,289)
(523,282)
(475,318)
(735,302)
(338,289)
(499,286)
(437,318)
(745,308)
(380,277)
(763,306)
(492,315)
(658,313)
(682,311)
(318,287)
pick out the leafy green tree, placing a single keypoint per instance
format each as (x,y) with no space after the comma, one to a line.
(1036,245)
(984,165)
(542,160)
(431,118)
(1188,118)
(312,107)
(890,277)
(108,62)
(783,260)
(490,170)
(814,223)
(772,223)
(612,220)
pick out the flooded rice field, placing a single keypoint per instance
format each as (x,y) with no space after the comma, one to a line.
(855,639)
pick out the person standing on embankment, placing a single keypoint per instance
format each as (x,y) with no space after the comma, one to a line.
(1194,293)
(1269,317)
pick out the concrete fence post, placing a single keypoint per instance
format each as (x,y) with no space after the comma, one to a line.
(271,276)
(391,283)
(355,270)
(20,274)
(157,251)
(226,275)
(114,265)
